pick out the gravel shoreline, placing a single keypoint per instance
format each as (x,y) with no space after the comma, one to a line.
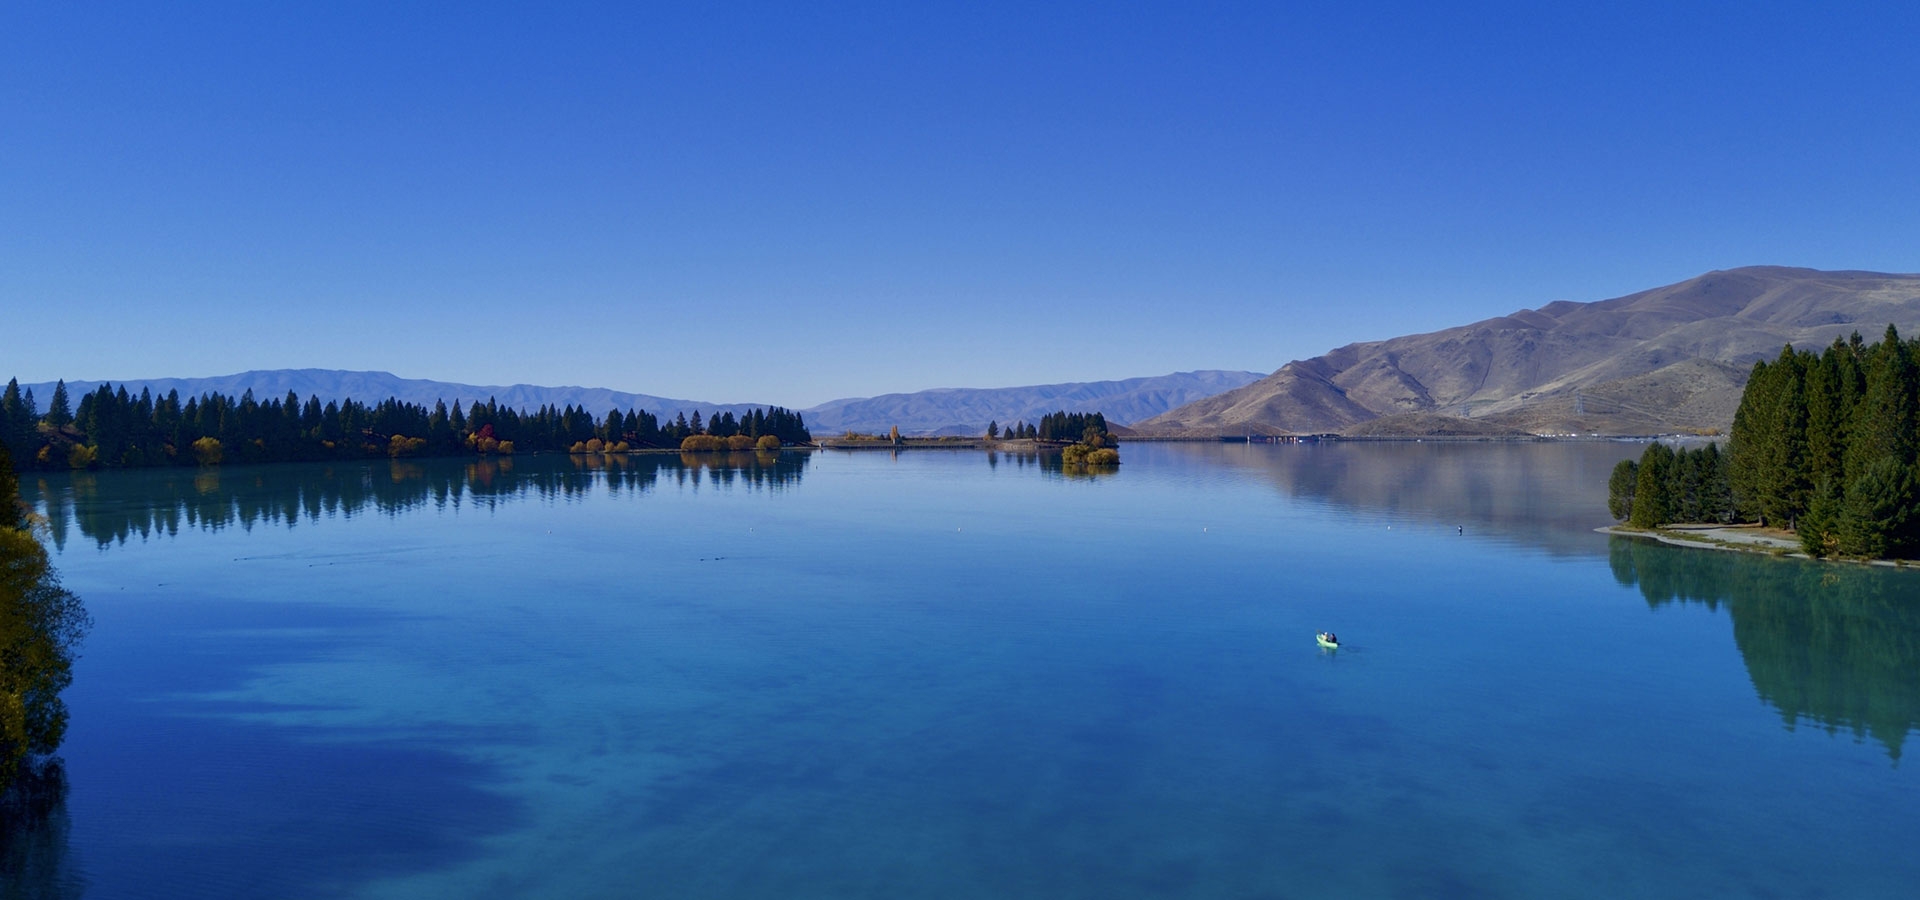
(1740,538)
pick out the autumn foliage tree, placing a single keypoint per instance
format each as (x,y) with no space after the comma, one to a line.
(40,623)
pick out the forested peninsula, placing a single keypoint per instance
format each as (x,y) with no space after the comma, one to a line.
(1822,445)
(112,428)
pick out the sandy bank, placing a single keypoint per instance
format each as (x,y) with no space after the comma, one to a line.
(1745,538)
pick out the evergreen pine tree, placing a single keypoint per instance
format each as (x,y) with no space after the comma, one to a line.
(1876,510)
(1620,488)
(1784,484)
(1650,505)
(1826,424)
(1883,420)
(1747,439)
(59,412)
(1826,445)
(1683,486)
(15,423)
(1716,501)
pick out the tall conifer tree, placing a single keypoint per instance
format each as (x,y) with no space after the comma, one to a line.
(1784,482)
(1650,496)
(1883,420)
(59,412)
(1747,440)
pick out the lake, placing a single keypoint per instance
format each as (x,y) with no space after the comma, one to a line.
(949,674)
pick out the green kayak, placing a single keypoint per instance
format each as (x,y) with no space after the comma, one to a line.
(1327,639)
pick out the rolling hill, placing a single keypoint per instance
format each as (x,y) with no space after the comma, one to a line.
(1673,358)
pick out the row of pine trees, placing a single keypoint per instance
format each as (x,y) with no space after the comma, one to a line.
(111,427)
(1823,443)
(1055,426)
(1672,485)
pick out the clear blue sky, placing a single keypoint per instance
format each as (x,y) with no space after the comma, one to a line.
(792,202)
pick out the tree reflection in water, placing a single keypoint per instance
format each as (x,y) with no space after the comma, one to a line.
(114,507)
(1829,644)
(34,860)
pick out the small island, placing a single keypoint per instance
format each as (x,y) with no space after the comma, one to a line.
(1086,443)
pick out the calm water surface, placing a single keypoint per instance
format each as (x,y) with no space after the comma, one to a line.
(946,674)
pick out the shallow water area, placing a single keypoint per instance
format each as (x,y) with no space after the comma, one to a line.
(962,674)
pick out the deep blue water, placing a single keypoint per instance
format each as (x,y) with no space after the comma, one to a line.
(945,674)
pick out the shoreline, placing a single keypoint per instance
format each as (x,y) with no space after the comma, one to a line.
(1739,539)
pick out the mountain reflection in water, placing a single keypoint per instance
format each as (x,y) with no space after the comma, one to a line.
(1830,644)
(1837,646)
(163,501)
(1547,494)
(473,708)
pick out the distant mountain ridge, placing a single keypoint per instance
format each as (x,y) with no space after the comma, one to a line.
(373,387)
(1673,358)
(970,410)
(942,411)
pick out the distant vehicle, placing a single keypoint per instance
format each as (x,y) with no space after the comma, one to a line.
(1327,639)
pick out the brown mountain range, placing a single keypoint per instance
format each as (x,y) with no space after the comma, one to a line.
(1665,360)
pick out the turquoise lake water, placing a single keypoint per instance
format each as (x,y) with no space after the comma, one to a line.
(947,674)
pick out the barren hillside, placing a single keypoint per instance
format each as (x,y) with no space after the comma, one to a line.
(1668,359)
